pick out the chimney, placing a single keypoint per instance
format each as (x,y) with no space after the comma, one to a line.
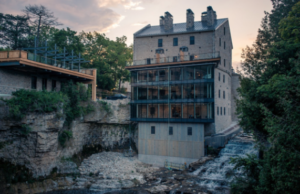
(209,16)
(161,21)
(168,21)
(189,19)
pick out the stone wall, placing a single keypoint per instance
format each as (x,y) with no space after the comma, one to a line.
(40,151)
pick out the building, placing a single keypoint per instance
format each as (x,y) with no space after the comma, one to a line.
(25,70)
(181,79)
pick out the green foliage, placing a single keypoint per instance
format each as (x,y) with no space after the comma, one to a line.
(25,130)
(212,151)
(269,106)
(106,106)
(33,101)
(64,136)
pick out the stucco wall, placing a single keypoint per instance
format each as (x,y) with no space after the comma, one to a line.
(235,84)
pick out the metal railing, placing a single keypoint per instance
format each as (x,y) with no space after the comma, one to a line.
(176,166)
(171,59)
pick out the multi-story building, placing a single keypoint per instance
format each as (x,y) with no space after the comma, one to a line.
(181,79)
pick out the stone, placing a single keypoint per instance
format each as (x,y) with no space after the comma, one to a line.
(157,189)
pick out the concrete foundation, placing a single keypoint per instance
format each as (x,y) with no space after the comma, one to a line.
(160,160)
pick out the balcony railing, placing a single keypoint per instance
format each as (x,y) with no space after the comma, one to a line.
(174,59)
(41,59)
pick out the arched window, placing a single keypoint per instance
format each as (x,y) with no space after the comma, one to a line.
(159,51)
(184,49)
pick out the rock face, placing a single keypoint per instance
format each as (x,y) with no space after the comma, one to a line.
(39,149)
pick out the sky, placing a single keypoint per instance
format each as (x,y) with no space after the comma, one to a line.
(116,18)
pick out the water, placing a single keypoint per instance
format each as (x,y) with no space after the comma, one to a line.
(213,175)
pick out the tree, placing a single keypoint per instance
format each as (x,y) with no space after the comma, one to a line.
(14,31)
(40,17)
(270,105)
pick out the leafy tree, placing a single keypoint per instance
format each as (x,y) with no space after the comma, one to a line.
(270,107)
(14,31)
(40,17)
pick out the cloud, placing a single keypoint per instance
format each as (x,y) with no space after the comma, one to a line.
(140,23)
(138,8)
(92,15)
(127,4)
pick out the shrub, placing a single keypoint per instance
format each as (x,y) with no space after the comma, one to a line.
(106,106)
(25,130)
(64,136)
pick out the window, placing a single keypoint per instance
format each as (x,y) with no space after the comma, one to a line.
(152,110)
(175,59)
(219,76)
(175,41)
(220,42)
(53,85)
(163,92)
(224,111)
(175,111)
(188,111)
(152,129)
(33,82)
(189,131)
(142,93)
(44,83)
(133,76)
(224,45)
(219,93)
(192,57)
(192,40)
(148,61)
(188,91)
(142,76)
(224,30)
(217,110)
(188,73)
(223,78)
(224,94)
(224,62)
(221,110)
(142,111)
(153,75)
(163,111)
(175,74)
(163,75)
(152,92)
(160,42)
(159,51)
(170,130)
(184,49)
(175,91)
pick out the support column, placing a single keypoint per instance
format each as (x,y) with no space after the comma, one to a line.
(94,85)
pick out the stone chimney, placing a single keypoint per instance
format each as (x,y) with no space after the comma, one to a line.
(189,19)
(161,21)
(209,17)
(168,21)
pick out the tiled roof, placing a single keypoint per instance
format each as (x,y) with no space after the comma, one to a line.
(178,28)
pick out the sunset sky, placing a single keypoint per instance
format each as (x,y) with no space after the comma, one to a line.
(116,18)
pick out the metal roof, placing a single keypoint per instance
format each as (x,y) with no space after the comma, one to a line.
(178,28)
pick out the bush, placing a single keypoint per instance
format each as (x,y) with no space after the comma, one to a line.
(106,106)
(25,130)
(64,136)
(33,101)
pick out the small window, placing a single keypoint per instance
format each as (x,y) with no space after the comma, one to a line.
(192,40)
(224,45)
(219,76)
(192,57)
(219,93)
(224,62)
(159,51)
(220,42)
(217,110)
(170,130)
(175,41)
(33,82)
(190,131)
(224,111)
(53,85)
(175,59)
(152,129)
(224,78)
(224,94)
(221,110)
(224,30)
(160,42)
(148,61)
(184,49)
(44,83)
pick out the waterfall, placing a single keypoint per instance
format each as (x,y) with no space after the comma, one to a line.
(213,174)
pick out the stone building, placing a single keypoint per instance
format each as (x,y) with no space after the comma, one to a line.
(182,86)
